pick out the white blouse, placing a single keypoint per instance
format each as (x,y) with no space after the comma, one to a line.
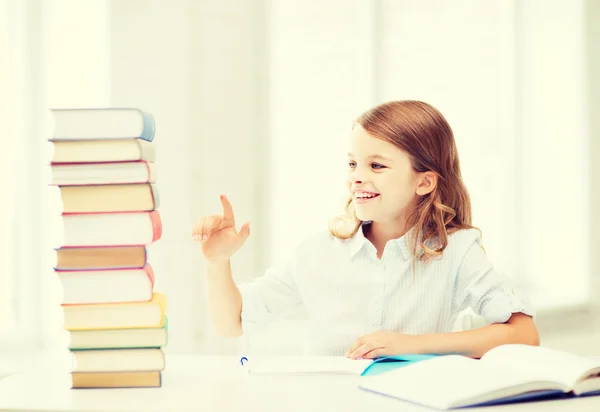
(348,292)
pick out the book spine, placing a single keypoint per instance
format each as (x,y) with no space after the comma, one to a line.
(155,195)
(156,225)
(147,150)
(151,172)
(149,126)
(150,273)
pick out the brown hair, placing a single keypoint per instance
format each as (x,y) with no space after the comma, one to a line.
(423,133)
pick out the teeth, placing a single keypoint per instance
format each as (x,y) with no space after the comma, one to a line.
(365,195)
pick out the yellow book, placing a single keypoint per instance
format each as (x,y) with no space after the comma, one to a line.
(129,315)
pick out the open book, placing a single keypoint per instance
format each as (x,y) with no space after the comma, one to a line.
(507,373)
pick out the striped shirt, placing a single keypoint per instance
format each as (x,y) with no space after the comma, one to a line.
(347,291)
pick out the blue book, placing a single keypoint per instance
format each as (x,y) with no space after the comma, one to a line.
(506,374)
(102,124)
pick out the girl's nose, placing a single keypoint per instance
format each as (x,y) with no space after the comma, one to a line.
(356,176)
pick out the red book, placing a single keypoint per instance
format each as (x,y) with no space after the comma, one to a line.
(111,229)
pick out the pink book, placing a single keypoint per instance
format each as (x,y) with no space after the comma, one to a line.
(103,173)
(107,286)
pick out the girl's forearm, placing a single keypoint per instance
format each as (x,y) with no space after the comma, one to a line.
(475,343)
(224,299)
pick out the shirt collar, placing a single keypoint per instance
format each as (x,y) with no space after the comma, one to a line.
(358,241)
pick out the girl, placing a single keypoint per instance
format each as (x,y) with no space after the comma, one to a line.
(392,274)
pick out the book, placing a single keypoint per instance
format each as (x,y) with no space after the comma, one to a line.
(507,373)
(69,174)
(299,365)
(114,229)
(119,338)
(127,315)
(107,286)
(102,123)
(118,360)
(91,380)
(100,257)
(109,198)
(329,365)
(102,151)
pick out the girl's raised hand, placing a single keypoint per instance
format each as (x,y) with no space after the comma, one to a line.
(218,237)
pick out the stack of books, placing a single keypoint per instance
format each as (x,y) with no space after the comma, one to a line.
(103,163)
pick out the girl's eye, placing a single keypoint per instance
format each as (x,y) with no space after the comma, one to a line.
(351,164)
(377,166)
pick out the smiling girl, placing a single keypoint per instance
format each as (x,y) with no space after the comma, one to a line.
(393,273)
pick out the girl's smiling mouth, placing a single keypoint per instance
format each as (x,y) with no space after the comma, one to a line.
(364,197)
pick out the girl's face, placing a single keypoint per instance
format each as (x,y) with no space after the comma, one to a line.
(380,178)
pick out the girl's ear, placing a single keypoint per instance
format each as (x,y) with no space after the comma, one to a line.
(426,183)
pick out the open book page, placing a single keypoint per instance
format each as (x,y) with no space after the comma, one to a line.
(452,381)
(303,365)
(542,363)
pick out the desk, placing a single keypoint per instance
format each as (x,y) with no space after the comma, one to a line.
(197,383)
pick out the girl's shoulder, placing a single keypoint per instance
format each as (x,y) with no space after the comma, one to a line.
(315,241)
(307,250)
(320,244)
(461,240)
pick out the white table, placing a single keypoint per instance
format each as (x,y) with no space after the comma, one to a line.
(197,383)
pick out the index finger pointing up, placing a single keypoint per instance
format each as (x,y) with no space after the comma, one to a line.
(227,209)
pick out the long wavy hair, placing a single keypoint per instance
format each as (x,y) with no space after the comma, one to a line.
(423,133)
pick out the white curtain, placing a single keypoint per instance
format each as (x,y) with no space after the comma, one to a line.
(9,133)
(21,236)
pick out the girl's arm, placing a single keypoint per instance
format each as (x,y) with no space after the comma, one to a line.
(519,328)
(224,299)
(474,343)
(478,286)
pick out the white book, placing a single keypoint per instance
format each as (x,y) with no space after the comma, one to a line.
(306,365)
(97,151)
(65,174)
(505,373)
(101,124)
(118,360)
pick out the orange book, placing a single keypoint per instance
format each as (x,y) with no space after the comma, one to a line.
(146,379)
(100,257)
(109,198)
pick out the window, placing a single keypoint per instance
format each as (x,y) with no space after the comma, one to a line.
(510,85)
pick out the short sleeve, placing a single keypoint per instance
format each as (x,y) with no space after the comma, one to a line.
(487,292)
(270,296)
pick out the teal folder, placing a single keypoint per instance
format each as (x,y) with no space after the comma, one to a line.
(388,363)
